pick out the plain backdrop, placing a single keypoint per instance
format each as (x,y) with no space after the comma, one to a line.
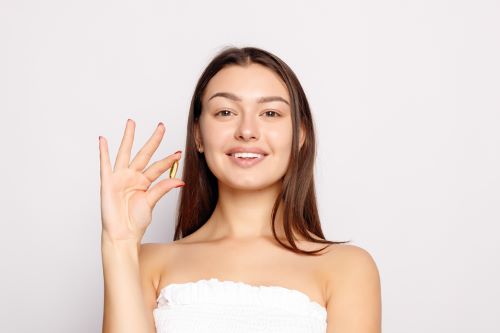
(405,100)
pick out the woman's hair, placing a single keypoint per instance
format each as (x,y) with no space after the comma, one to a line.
(199,198)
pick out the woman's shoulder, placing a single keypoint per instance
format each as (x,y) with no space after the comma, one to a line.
(346,265)
(157,253)
(343,257)
(337,254)
(153,258)
(346,252)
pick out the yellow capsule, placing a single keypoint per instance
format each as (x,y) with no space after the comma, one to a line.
(173,168)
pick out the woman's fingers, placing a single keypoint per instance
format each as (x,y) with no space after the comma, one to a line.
(104,159)
(123,157)
(144,155)
(156,169)
(156,192)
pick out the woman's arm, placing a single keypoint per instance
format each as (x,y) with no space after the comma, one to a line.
(127,202)
(125,309)
(354,292)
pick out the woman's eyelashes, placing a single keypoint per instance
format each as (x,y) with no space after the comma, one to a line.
(269,113)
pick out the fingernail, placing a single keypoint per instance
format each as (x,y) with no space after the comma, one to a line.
(180,185)
(160,123)
(179,151)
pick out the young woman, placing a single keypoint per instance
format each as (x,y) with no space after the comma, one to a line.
(248,253)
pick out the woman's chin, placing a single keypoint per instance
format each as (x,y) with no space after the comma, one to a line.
(247,185)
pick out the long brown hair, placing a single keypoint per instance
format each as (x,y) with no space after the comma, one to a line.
(199,197)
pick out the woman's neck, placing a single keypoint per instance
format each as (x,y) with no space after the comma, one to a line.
(245,214)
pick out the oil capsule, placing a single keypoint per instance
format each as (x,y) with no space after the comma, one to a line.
(173,168)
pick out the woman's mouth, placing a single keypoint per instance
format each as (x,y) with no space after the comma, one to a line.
(246,160)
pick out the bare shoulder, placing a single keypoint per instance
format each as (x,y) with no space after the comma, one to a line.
(153,257)
(353,290)
(345,256)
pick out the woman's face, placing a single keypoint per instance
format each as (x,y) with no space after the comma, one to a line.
(242,117)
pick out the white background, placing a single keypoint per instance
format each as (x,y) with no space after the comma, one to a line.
(404,95)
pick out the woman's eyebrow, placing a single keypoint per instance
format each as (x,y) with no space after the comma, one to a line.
(259,100)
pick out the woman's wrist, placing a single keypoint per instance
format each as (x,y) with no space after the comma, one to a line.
(120,245)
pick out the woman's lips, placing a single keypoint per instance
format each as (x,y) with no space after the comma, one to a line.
(246,162)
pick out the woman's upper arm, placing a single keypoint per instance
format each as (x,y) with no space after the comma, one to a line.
(354,292)
(149,274)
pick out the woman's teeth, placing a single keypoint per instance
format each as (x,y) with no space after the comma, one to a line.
(246,155)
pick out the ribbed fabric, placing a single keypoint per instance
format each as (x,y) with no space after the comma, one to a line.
(228,306)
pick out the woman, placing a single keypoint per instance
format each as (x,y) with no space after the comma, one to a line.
(248,253)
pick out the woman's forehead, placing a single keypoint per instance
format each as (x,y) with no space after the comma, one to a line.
(252,83)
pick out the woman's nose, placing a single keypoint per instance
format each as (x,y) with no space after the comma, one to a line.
(247,127)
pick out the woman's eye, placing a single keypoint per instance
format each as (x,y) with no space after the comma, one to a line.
(224,112)
(273,113)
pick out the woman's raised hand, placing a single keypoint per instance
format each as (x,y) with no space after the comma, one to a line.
(126,200)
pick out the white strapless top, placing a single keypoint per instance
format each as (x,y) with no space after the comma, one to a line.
(228,306)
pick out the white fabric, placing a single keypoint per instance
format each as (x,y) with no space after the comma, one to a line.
(229,306)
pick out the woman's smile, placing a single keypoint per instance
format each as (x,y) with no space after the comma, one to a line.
(244,160)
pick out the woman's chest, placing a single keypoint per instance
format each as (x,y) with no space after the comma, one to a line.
(252,264)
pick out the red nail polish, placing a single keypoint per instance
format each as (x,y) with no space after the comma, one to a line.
(179,151)
(180,185)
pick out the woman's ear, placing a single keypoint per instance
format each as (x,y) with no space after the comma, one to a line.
(302,135)
(197,137)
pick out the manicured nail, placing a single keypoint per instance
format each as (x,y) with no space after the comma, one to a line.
(179,151)
(180,185)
